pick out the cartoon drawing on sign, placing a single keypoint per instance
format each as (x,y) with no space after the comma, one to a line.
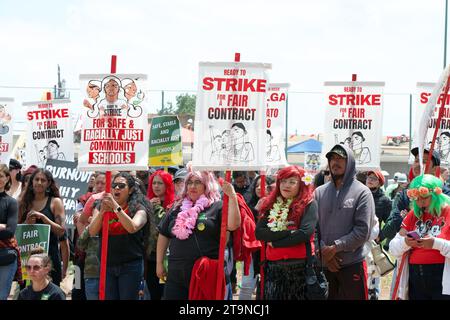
(52,149)
(313,162)
(216,145)
(347,142)
(362,154)
(134,97)
(273,153)
(93,92)
(41,156)
(5,118)
(241,149)
(444,147)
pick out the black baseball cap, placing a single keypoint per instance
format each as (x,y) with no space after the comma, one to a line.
(14,164)
(180,174)
(337,149)
(435,156)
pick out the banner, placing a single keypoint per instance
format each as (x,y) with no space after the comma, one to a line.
(115,124)
(30,237)
(230,116)
(49,132)
(276,126)
(442,145)
(354,118)
(6,130)
(165,146)
(71,182)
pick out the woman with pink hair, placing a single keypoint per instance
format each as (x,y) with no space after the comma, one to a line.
(161,194)
(191,230)
(287,223)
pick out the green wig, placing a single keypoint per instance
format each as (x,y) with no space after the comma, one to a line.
(424,186)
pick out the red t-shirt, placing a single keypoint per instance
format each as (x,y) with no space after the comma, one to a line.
(294,252)
(438,227)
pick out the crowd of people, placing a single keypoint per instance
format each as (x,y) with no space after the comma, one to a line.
(164,232)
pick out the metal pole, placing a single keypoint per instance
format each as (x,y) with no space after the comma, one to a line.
(410,120)
(287,127)
(162,102)
(445,34)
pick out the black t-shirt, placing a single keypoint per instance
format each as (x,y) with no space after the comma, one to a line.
(206,231)
(51,292)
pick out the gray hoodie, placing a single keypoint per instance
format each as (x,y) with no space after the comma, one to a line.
(345,215)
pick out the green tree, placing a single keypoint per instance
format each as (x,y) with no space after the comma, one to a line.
(186,104)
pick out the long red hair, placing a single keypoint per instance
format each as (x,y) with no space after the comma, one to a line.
(170,189)
(299,203)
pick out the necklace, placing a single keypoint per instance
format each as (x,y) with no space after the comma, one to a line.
(277,219)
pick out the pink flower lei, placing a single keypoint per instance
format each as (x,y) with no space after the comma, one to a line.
(187,217)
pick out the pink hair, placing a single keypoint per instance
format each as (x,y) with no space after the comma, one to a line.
(169,195)
(208,180)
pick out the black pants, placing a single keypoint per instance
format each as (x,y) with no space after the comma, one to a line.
(155,288)
(425,282)
(178,281)
(349,283)
(284,280)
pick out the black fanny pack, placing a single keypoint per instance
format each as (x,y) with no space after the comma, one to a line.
(7,256)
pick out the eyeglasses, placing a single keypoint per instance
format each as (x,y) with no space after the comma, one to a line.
(120,185)
(35,267)
(371,178)
(291,182)
(196,183)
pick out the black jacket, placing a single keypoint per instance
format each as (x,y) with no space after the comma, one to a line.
(383,205)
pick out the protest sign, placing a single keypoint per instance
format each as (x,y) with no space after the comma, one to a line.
(6,131)
(49,132)
(165,146)
(354,118)
(312,162)
(71,182)
(276,124)
(230,116)
(30,237)
(115,124)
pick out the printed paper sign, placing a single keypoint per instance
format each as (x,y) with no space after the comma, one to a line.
(442,143)
(49,132)
(115,125)
(71,182)
(230,116)
(30,237)
(6,130)
(276,124)
(354,118)
(165,146)
(312,162)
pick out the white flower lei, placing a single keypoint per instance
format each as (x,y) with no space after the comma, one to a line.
(278,215)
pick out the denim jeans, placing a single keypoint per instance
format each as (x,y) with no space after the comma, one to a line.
(123,281)
(6,278)
(248,283)
(91,288)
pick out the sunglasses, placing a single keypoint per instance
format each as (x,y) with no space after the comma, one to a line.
(120,185)
(35,267)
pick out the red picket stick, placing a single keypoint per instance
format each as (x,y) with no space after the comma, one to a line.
(263,244)
(105,218)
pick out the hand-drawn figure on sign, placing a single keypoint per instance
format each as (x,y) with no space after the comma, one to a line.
(216,145)
(241,149)
(53,151)
(93,91)
(444,147)
(5,118)
(362,154)
(312,162)
(273,153)
(134,97)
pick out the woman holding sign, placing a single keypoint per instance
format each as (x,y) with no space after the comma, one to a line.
(289,217)
(192,231)
(161,193)
(9,251)
(41,203)
(128,211)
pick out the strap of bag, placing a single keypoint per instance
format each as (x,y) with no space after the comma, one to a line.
(309,258)
(399,275)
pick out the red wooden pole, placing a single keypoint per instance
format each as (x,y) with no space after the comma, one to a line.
(263,244)
(105,218)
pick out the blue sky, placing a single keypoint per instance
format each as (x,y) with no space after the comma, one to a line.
(307,42)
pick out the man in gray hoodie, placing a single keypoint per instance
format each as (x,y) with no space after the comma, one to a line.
(346,210)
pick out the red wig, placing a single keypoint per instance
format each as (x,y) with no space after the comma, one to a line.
(299,203)
(170,189)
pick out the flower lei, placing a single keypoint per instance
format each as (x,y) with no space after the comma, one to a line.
(278,215)
(423,192)
(187,217)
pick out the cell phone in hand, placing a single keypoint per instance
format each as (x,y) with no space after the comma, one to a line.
(414,235)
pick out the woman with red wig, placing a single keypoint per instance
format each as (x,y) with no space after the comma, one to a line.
(287,223)
(161,194)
